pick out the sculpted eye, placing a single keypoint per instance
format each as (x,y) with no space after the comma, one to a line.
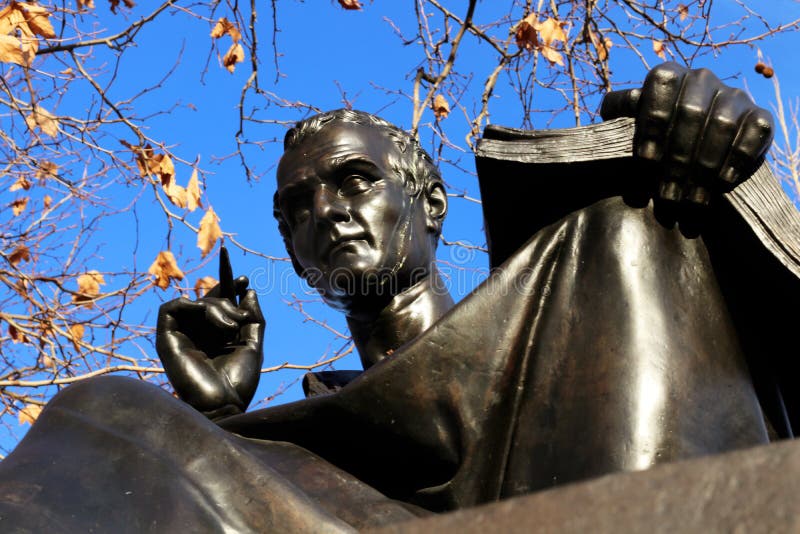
(299,215)
(354,184)
(296,210)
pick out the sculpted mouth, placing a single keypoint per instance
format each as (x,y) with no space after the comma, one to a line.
(342,243)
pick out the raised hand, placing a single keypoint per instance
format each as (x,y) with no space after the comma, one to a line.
(706,136)
(211,348)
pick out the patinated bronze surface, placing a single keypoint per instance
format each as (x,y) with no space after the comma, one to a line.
(602,342)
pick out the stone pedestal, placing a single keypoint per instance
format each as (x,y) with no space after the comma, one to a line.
(749,491)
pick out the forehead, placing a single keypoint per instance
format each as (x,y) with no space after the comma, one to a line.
(322,152)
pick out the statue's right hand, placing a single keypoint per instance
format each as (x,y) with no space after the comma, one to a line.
(212,349)
(704,136)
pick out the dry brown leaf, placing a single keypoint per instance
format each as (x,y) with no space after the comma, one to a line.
(76,332)
(659,49)
(47,122)
(440,107)
(21,183)
(683,11)
(21,287)
(176,194)
(38,19)
(209,232)
(162,166)
(204,285)
(165,268)
(526,34)
(11,51)
(88,287)
(143,154)
(552,55)
(29,413)
(234,55)
(550,31)
(11,18)
(220,28)
(350,4)
(85,4)
(47,169)
(18,206)
(20,24)
(45,332)
(608,43)
(21,253)
(47,201)
(16,335)
(30,121)
(226,27)
(150,163)
(532,34)
(193,193)
(43,119)
(30,45)
(32,7)
(115,4)
(601,45)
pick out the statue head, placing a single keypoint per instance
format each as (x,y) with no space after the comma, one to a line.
(360,206)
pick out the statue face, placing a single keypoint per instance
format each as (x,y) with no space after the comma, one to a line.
(357,233)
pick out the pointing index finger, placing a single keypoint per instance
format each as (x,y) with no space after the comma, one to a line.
(227,289)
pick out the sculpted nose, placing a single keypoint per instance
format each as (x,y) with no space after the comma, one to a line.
(328,207)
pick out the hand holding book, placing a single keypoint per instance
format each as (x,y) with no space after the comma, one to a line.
(706,136)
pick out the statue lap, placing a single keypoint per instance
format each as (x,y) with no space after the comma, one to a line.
(118,454)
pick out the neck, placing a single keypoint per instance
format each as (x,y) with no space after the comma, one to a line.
(408,314)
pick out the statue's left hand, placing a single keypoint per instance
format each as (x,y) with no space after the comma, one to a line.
(706,137)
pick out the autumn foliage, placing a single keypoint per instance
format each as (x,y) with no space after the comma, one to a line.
(106,212)
(22,26)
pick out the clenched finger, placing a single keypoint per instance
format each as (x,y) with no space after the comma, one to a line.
(725,117)
(689,121)
(223,314)
(752,142)
(657,103)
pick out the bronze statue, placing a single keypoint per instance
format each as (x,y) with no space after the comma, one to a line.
(604,343)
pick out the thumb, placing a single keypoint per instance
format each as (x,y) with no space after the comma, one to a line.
(240,285)
(249,304)
(252,332)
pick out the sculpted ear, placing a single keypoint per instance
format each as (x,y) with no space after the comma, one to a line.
(436,200)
